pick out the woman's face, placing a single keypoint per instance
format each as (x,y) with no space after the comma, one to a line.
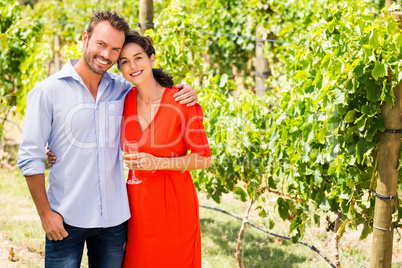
(135,65)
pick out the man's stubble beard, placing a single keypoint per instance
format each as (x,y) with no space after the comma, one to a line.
(88,57)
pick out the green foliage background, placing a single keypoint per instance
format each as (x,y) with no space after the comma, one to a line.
(312,139)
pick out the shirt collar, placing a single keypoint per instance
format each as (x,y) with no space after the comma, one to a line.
(69,71)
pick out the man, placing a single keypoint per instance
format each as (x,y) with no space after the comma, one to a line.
(77,112)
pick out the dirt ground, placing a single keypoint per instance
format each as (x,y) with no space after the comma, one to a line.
(22,258)
(350,240)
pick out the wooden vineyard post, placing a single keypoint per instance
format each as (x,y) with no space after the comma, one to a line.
(146,15)
(56,49)
(387,181)
(262,71)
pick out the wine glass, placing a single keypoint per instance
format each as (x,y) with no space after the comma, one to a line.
(131,148)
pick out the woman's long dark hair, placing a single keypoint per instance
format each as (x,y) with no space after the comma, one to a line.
(164,79)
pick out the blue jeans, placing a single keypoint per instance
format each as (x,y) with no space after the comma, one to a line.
(105,246)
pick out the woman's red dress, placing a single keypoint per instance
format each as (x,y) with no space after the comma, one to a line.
(164,228)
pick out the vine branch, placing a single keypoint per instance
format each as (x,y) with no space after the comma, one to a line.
(237,255)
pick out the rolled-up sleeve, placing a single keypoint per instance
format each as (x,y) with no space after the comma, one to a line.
(194,134)
(37,127)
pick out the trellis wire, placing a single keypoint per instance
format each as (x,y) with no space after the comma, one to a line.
(312,247)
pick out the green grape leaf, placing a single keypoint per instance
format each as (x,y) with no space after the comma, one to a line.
(325,205)
(296,221)
(301,75)
(398,40)
(283,208)
(331,26)
(366,231)
(317,177)
(350,116)
(361,149)
(268,223)
(372,90)
(240,194)
(372,127)
(3,41)
(321,135)
(374,39)
(359,70)
(380,70)
(346,194)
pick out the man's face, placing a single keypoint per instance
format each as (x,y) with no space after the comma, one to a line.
(102,50)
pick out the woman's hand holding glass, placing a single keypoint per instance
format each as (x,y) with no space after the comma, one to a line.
(141,161)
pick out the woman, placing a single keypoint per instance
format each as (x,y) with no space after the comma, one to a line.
(164,229)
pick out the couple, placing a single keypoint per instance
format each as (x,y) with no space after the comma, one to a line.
(77,112)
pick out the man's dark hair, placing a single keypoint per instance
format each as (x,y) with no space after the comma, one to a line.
(113,18)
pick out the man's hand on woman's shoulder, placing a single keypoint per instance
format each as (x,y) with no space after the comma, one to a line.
(186,95)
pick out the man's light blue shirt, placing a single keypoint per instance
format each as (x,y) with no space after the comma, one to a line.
(86,184)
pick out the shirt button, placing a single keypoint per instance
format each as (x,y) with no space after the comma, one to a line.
(112,107)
